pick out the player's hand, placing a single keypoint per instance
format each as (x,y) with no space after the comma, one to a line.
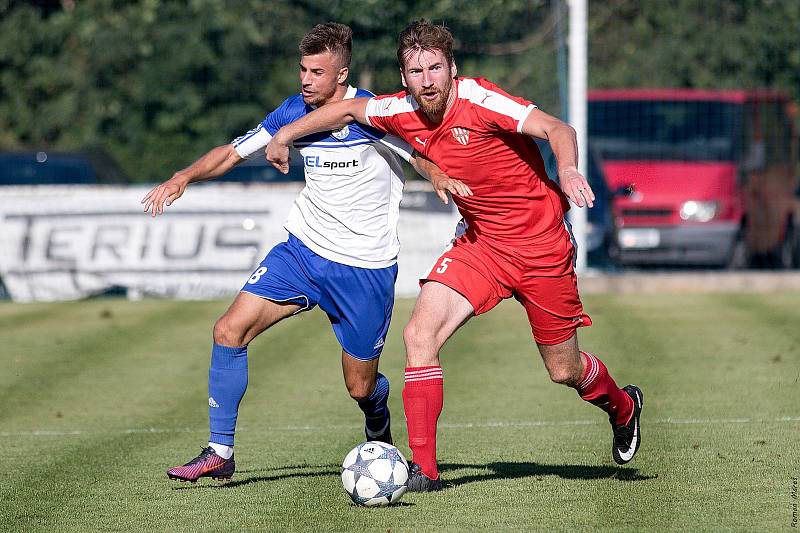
(443,185)
(277,153)
(166,193)
(576,187)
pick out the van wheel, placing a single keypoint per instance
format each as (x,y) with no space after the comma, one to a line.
(786,254)
(796,258)
(739,258)
(603,256)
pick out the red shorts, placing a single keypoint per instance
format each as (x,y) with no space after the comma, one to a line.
(540,277)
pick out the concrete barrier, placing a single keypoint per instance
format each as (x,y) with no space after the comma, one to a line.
(689,282)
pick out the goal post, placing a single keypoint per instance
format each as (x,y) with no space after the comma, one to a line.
(578,70)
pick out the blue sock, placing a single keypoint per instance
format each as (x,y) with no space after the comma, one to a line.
(376,411)
(227,382)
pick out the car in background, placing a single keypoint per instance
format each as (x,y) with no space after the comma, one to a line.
(710,175)
(60,168)
(600,224)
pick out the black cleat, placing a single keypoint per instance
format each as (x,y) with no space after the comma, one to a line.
(419,482)
(384,435)
(207,464)
(628,437)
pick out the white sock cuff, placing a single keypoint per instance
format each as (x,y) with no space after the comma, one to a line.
(591,372)
(223,451)
(423,374)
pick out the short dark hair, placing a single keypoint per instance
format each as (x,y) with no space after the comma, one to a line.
(424,35)
(329,37)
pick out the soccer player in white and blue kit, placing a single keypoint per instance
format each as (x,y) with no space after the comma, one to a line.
(341,252)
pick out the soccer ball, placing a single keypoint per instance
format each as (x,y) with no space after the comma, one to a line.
(374,474)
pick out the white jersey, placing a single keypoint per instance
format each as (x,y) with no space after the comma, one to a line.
(349,208)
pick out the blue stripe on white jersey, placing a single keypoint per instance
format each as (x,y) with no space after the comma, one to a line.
(242,138)
(337,144)
(253,143)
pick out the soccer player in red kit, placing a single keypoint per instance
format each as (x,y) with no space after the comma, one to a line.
(514,240)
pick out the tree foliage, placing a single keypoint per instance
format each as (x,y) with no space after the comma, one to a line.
(721,44)
(157,83)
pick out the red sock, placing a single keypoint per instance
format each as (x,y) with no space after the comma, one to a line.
(422,400)
(597,387)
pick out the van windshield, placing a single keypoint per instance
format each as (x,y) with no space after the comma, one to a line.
(665,129)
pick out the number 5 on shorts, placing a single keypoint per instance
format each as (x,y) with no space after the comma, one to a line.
(443,265)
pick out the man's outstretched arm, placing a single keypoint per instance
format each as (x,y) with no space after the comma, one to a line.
(335,116)
(214,163)
(565,147)
(329,117)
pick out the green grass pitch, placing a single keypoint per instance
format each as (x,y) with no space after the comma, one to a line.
(100,397)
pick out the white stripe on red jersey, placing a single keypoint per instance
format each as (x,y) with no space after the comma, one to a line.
(494,101)
(386,107)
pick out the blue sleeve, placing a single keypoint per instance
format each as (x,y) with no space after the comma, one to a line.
(290,110)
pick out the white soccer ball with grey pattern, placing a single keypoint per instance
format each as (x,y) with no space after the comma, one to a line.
(374,474)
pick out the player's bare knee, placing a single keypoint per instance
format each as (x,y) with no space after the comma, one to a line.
(565,375)
(418,338)
(410,333)
(359,394)
(360,390)
(226,334)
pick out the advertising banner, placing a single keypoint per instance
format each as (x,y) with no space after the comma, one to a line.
(70,242)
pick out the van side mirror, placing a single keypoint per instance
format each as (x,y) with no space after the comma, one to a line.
(625,190)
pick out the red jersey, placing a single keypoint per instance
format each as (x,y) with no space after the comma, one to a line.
(479,142)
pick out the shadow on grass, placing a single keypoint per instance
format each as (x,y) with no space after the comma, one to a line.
(507,470)
(496,470)
(280,472)
(290,467)
(277,473)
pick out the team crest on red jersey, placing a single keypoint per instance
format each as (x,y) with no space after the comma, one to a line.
(461,135)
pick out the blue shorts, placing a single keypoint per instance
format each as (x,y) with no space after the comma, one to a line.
(358,301)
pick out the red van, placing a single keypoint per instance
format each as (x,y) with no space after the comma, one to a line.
(701,177)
